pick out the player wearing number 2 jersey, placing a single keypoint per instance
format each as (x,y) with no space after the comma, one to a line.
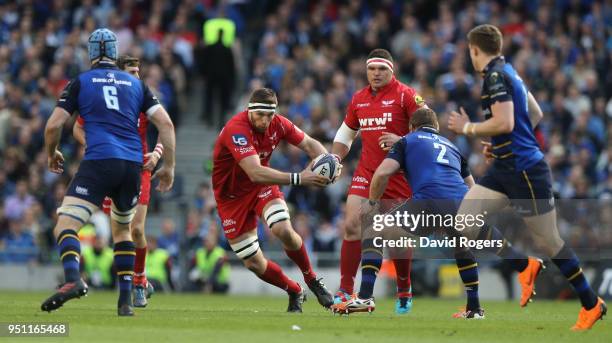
(381,112)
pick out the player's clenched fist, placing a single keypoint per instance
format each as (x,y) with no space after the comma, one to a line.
(56,162)
(166,178)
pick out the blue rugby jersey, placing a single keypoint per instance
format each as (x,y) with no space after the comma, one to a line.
(502,83)
(110,101)
(432,165)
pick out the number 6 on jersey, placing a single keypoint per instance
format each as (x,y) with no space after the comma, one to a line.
(110,97)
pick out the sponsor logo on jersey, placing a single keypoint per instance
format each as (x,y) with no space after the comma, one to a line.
(240,140)
(244,150)
(81,190)
(387,103)
(228,222)
(265,194)
(418,100)
(361,105)
(376,123)
(360,179)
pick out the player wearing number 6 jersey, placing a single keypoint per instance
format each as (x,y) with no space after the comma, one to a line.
(142,287)
(110,101)
(381,112)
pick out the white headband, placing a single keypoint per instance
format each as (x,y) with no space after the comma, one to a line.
(379,61)
(261,107)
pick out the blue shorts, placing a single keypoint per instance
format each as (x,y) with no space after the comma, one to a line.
(113,178)
(529,190)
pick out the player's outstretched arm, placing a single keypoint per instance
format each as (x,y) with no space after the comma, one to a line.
(312,147)
(535,112)
(269,176)
(381,177)
(501,121)
(53,130)
(163,123)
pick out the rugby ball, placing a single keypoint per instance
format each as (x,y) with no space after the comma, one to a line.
(325,165)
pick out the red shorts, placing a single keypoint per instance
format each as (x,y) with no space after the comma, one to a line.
(397,188)
(239,215)
(145,192)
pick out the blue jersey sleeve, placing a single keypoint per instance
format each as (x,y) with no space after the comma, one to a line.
(497,88)
(397,152)
(150,101)
(69,98)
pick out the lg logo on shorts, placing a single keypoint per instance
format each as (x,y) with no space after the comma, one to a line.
(239,140)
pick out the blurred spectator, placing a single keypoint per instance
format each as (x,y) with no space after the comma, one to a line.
(217,66)
(16,204)
(97,263)
(169,238)
(210,269)
(19,245)
(158,265)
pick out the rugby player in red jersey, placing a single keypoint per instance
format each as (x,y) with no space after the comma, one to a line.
(245,188)
(381,111)
(142,288)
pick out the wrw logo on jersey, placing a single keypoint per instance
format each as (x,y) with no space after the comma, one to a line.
(376,122)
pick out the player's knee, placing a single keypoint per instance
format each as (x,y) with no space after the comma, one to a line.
(73,215)
(137,231)
(276,215)
(246,249)
(352,228)
(122,217)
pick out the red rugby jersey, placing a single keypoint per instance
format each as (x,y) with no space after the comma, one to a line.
(238,140)
(387,110)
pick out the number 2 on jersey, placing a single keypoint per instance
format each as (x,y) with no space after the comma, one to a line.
(441,154)
(110,97)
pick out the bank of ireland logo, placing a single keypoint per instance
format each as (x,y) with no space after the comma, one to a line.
(239,140)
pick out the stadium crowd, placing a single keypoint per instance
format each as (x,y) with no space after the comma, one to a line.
(312,54)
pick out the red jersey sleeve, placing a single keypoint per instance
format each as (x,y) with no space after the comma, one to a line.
(293,134)
(238,141)
(351,119)
(411,101)
(80,120)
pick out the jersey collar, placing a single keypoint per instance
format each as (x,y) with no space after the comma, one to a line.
(105,65)
(428,129)
(385,88)
(498,59)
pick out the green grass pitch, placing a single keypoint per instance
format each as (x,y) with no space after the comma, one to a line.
(205,318)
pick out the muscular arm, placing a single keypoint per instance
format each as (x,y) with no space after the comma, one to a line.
(501,122)
(381,177)
(78,133)
(535,112)
(53,129)
(163,123)
(343,140)
(311,147)
(262,174)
